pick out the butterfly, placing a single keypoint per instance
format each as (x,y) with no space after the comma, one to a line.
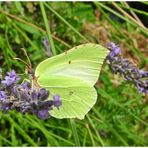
(73,75)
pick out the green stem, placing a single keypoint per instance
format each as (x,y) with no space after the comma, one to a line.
(47,28)
(74,131)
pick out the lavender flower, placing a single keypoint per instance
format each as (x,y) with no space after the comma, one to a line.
(114,50)
(43,114)
(25,98)
(26,85)
(47,47)
(126,69)
(3,96)
(43,94)
(10,79)
(56,101)
(143,73)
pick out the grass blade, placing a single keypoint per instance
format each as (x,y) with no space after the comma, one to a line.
(22,132)
(74,131)
(67,23)
(93,126)
(90,134)
(47,28)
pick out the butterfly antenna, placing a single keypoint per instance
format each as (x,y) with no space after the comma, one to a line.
(30,65)
(21,61)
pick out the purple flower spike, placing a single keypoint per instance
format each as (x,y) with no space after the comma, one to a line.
(126,69)
(143,73)
(12,74)
(47,47)
(114,50)
(25,98)
(43,114)
(26,85)
(57,101)
(6,107)
(8,81)
(15,91)
(43,94)
(34,96)
(11,78)
(3,96)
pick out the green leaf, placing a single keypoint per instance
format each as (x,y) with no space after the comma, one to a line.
(28,28)
(72,75)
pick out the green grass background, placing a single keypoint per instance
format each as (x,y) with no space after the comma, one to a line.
(120,116)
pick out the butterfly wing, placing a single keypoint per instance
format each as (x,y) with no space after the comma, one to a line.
(72,75)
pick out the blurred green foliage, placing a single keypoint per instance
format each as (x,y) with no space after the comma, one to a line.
(119,117)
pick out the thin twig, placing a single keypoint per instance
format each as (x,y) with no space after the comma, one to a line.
(126,14)
(133,13)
